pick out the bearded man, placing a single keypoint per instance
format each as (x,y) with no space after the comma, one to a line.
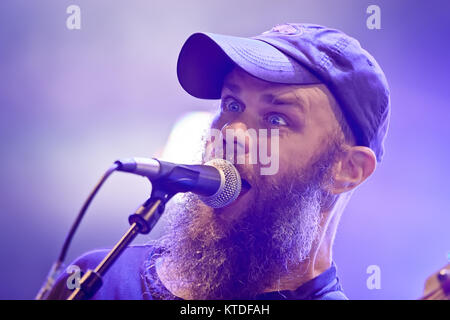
(329,101)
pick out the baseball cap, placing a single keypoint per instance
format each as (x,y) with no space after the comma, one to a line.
(296,53)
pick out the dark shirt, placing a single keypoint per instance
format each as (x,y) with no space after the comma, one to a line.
(133,277)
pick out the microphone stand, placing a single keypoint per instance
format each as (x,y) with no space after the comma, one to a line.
(142,222)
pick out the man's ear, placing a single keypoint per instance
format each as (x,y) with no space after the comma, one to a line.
(355,166)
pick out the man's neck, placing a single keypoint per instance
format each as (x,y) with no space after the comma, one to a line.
(320,256)
(300,274)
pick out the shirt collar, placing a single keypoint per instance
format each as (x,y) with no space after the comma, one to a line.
(308,290)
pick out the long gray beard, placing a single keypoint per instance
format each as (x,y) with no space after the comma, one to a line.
(239,260)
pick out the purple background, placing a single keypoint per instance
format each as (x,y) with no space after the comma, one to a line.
(73,101)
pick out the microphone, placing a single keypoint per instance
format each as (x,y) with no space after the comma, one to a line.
(217,182)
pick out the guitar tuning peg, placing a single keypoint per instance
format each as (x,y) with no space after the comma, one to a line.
(443,275)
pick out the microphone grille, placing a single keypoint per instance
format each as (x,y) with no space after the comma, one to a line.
(230,187)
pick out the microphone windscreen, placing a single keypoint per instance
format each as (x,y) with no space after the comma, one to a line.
(230,187)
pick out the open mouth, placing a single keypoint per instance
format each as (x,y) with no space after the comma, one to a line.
(245,187)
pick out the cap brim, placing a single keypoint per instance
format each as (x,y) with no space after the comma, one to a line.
(206,58)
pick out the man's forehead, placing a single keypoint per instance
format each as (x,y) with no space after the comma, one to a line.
(238,80)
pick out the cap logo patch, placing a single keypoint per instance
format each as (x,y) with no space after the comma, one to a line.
(286,29)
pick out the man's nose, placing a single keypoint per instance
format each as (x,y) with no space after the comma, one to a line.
(237,135)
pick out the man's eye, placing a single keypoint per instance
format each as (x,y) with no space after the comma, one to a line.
(276,120)
(232,106)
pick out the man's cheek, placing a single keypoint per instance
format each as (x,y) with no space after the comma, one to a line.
(266,183)
(269,151)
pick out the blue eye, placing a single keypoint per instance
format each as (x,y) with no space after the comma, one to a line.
(276,120)
(233,106)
